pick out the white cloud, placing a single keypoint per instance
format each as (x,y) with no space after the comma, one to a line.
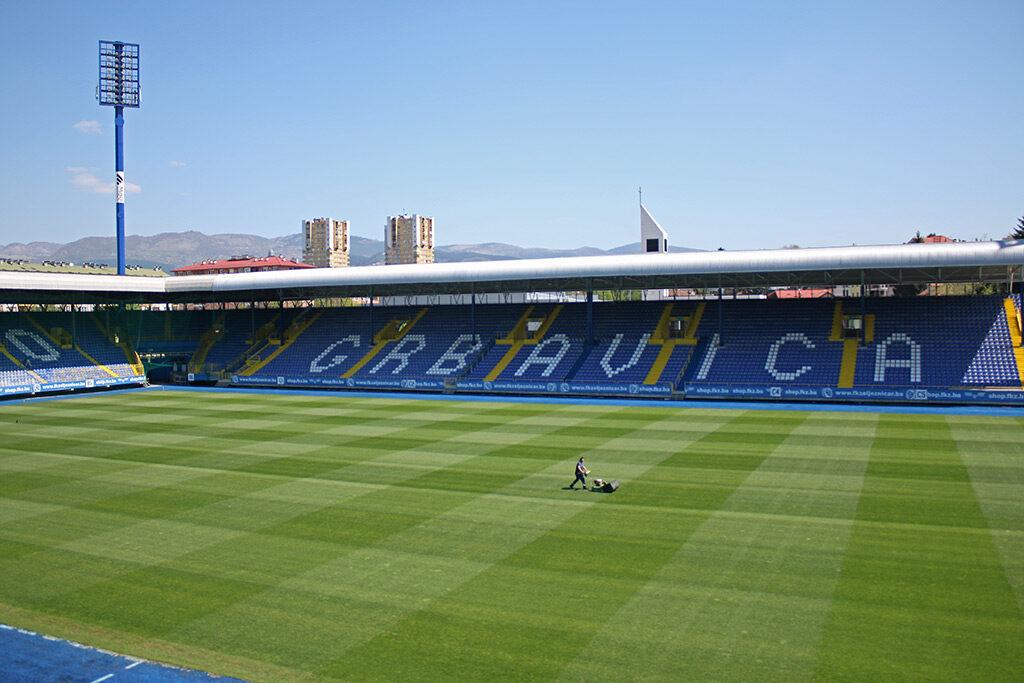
(174,163)
(84,179)
(89,127)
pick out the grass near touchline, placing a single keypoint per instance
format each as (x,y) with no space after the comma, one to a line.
(275,537)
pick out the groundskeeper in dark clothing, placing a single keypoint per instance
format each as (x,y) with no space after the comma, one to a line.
(581,475)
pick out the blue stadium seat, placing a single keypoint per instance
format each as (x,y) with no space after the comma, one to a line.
(918,342)
(33,357)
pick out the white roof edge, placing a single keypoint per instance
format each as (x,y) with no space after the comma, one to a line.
(632,265)
(80,282)
(901,256)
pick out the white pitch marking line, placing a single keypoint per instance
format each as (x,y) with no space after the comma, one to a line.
(133,664)
(103,678)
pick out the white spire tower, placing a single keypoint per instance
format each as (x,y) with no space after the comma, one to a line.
(653,238)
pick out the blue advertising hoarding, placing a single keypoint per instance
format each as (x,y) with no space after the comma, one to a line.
(766,392)
(775,392)
(340,383)
(47,387)
(663,390)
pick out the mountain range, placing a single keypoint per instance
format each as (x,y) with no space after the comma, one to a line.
(169,250)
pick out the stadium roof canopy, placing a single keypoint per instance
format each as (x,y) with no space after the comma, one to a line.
(883,265)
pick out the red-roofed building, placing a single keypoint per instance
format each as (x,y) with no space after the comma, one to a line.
(931,239)
(799,294)
(241,264)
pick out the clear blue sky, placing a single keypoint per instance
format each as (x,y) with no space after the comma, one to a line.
(747,124)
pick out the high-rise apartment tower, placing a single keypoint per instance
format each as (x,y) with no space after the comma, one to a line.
(409,239)
(326,242)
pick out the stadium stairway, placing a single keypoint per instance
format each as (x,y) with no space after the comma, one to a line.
(478,359)
(678,363)
(328,346)
(64,340)
(229,339)
(851,345)
(447,342)
(299,324)
(577,367)
(39,350)
(668,344)
(1014,325)
(265,339)
(392,332)
(681,363)
(214,334)
(18,374)
(519,337)
(514,340)
(122,340)
(631,338)
(93,341)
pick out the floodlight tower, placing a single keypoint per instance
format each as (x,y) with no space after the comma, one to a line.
(119,88)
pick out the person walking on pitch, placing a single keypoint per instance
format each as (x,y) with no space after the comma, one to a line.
(581,472)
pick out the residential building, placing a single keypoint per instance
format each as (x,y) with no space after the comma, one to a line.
(409,239)
(240,264)
(931,238)
(801,293)
(326,243)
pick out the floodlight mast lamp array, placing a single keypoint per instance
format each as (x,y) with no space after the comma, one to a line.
(119,88)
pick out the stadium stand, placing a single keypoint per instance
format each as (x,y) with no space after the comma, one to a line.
(921,342)
(437,344)
(623,349)
(938,342)
(544,344)
(176,332)
(237,337)
(770,341)
(53,351)
(333,343)
(935,342)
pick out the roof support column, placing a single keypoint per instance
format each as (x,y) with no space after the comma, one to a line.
(590,312)
(370,334)
(472,312)
(721,335)
(862,306)
(138,324)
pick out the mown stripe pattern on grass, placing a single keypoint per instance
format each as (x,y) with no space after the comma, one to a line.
(278,537)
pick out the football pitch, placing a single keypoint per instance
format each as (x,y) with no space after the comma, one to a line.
(282,537)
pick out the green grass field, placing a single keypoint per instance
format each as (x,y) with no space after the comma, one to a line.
(279,537)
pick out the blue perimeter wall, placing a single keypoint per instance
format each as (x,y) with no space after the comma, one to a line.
(820,394)
(986,410)
(50,387)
